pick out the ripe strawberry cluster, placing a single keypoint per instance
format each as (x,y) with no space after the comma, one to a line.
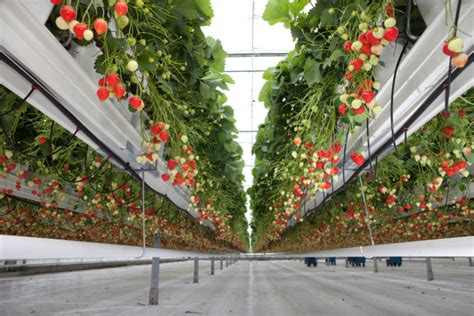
(158,135)
(365,52)
(182,170)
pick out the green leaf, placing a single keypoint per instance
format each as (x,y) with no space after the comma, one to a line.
(311,71)
(277,11)
(205,7)
(335,55)
(187,8)
(218,54)
(297,6)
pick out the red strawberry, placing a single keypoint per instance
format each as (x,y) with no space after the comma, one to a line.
(358,158)
(356,63)
(79,29)
(446,51)
(56,2)
(165,177)
(119,91)
(365,49)
(11,166)
(112,80)
(102,82)
(349,75)
(100,26)
(368,96)
(37,181)
(342,109)
(347,46)
(363,38)
(155,129)
(2,159)
(389,9)
(372,39)
(121,8)
(462,113)
(42,139)
(68,13)
(336,146)
(445,115)
(102,94)
(164,136)
(391,34)
(135,102)
(448,131)
(172,164)
(360,110)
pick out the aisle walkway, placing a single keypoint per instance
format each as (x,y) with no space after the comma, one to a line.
(247,288)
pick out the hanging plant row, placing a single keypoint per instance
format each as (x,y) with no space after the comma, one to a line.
(153,59)
(316,97)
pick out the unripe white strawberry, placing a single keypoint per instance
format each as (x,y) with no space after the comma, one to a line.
(376,85)
(364,27)
(61,24)
(378,32)
(88,35)
(356,46)
(363,56)
(132,65)
(377,109)
(367,66)
(376,49)
(456,45)
(356,103)
(390,22)
(71,25)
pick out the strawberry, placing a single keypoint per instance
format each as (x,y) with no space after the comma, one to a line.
(100,26)
(155,129)
(172,164)
(372,39)
(336,146)
(112,80)
(391,34)
(119,91)
(56,2)
(358,111)
(462,113)
(102,82)
(363,38)
(448,131)
(347,46)
(42,139)
(368,96)
(135,102)
(366,49)
(102,94)
(358,158)
(349,75)
(446,51)
(445,115)
(389,9)
(355,64)
(164,136)
(459,61)
(79,30)
(297,141)
(121,8)
(68,13)
(342,109)
(2,159)
(456,44)
(11,166)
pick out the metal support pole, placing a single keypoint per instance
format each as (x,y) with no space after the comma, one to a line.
(196,270)
(347,263)
(376,269)
(155,279)
(470,262)
(429,270)
(222,264)
(212,266)
(155,275)
(226,262)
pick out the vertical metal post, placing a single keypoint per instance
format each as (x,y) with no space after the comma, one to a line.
(212,266)
(429,270)
(347,263)
(470,262)
(226,261)
(155,279)
(196,270)
(155,275)
(376,269)
(222,264)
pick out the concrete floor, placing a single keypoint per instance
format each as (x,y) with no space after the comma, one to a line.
(247,288)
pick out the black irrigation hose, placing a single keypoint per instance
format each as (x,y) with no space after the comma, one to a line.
(100,191)
(344,158)
(412,37)
(18,104)
(421,109)
(450,67)
(26,74)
